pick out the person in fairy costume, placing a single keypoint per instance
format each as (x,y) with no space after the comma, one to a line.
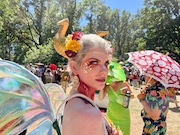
(88,58)
(155,100)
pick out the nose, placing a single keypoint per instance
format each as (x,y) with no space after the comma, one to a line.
(104,70)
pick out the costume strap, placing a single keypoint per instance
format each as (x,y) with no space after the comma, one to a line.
(74,96)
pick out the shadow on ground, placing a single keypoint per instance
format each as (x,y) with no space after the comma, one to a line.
(175,109)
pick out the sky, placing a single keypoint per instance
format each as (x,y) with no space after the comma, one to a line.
(129,5)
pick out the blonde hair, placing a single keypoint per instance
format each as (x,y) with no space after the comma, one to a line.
(87,42)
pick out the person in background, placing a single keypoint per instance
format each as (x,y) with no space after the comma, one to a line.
(116,87)
(37,73)
(30,67)
(155,101)
(48,75)
(64,78)
(135,79)
(58,75)
(41,69)
(88,58)
(53,69)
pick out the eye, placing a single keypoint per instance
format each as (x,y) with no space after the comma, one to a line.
(107,63)
(94,62)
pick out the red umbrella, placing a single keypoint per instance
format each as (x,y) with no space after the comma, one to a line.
(157,66)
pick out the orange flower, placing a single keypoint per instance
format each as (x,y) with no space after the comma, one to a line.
(73,45)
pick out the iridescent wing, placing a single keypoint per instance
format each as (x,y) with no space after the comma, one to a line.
(56,94)
(23,100)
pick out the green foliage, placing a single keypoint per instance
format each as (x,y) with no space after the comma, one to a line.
(7,13)
(19,53)
(27,27)
(45,54)
(141,43)
(160,20)
(92,9)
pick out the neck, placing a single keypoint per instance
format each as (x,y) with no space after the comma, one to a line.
(84,89)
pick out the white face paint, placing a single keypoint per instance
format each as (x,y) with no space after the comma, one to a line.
(87,67)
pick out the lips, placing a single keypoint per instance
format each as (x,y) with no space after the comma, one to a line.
(101,79)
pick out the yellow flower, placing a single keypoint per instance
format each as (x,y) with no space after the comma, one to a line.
(73,45)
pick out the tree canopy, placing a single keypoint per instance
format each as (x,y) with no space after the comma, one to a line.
(27,27)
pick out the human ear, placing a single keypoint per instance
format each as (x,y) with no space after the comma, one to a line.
(73,67)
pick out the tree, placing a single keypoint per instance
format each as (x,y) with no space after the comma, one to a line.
(33,23)
(45,54)
(91,9)
(160,19)
(120,31)
(7,18)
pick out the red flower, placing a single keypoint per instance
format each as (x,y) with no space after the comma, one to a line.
(70,53)
(52,66)
(77,35)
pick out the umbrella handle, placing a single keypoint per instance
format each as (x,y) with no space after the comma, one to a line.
(147,84)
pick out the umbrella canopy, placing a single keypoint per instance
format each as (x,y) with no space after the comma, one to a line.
(39,64)
(157,66)
(115,73)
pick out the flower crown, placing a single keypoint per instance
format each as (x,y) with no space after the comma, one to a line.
(72,44)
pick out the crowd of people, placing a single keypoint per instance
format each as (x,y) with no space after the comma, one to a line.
(50,73)
(133,76)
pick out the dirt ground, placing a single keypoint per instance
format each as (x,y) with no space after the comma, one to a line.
(173,118)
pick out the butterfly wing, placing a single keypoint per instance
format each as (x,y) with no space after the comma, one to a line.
(23,99)
(56,94)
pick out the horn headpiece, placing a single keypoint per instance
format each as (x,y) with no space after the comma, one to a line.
(68,46)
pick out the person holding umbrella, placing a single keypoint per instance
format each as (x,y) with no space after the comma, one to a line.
(155,100)
(116,88)
(160,72)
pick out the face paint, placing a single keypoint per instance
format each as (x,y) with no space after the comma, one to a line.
(87,66)
(90,64)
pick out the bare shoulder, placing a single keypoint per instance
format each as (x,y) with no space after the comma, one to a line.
(80,107)
(82,116)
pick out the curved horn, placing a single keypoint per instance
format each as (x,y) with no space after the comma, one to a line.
(102,33)
(59,39)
